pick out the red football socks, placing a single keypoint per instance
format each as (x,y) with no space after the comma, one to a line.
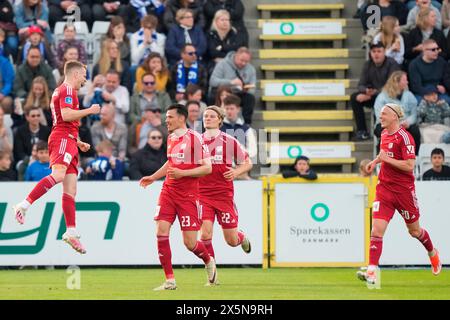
(68,205)
(165,256)
(376,247)
(425,239)
(201,252)
(208,245)
(41,188)
(241,237)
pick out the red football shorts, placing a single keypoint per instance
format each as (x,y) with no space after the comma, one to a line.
(226,212)
(386,202)
(187,209)
(64,151)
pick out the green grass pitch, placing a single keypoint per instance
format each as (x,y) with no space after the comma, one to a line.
(235,284)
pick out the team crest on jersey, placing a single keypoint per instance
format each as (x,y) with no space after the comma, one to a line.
(376,206)
(410,149)
(219,149)
(183,146)
(390,145)
(68,100)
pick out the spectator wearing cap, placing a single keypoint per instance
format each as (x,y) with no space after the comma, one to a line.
(429,70)
(432,112)
(439,171)
(149,96)
(32,68)
(150,158)
(36,39)
(374,75)
(151,119)
(33,12)
(300,169)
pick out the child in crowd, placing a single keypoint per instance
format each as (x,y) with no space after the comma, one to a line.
(36,39)
(40,168)
(6,172)
(105,166)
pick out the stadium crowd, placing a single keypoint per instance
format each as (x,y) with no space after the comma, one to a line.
(408,64)
(154,53)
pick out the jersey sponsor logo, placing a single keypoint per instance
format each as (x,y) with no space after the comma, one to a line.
(218,157)
(68,100)
(390,154)
(410,149)
(67,158)
(376,206)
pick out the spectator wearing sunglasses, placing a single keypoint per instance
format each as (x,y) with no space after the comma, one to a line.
(151,119)
(182,33)
(147,96)
(188,71)
(428,70)
(150,158)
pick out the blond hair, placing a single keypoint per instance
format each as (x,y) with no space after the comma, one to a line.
(181,12)
(72,65)
(219,111)
(387,27)
(44,101)
(422,17)
(392,86)
(396,108)
(104,62)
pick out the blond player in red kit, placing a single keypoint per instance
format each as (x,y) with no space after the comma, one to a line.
(216,189)
(188,159)
(395,191)
(63,148)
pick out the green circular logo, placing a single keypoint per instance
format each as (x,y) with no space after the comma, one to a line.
(294,151)
(325,214)
(289,89)
(287,28)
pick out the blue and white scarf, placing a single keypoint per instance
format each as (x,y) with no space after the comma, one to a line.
(140,6)
(140,39)
(181,76)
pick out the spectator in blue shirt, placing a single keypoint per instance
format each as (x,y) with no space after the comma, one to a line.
(41,168)
(105,166)
(6,83)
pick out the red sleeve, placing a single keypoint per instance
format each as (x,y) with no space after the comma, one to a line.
(240,155)
(66,99)
(200,149)
(408,148)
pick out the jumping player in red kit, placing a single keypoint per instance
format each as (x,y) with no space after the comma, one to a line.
(188,159)
(395,191)
(63,148)
(216,189)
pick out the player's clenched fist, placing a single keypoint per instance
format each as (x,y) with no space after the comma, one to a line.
(145,181)
(84,147)
(230,175)
(175,173)
(95,109)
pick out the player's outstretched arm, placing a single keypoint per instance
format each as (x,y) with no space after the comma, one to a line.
(204,169)
(244,167)
(148,180)
(69,114)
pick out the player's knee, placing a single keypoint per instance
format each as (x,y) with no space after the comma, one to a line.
(190,244)
(206,234)
(59,177)
(414,233)
(233,242)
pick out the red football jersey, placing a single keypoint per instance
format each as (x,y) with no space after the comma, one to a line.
(185,152)
(224,150)
(64,97)
(401,146)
